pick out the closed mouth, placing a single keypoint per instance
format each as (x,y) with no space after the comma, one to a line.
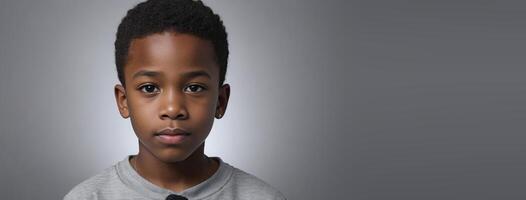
(172,132)
(171,136)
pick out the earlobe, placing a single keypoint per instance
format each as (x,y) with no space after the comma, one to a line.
(122,101)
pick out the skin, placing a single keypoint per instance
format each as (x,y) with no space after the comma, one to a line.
(172,99)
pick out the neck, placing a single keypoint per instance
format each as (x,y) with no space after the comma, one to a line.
(176,176)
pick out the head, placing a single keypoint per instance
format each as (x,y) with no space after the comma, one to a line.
(171,59)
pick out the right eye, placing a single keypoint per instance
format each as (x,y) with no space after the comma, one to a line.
(149,88)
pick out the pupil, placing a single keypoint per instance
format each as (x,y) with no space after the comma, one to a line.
(148,88)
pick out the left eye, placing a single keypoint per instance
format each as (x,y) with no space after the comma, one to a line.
(194,88)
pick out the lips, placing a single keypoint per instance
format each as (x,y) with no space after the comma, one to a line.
(172,132)
(171,135)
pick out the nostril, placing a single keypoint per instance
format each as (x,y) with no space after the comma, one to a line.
(181,116)
(174,116)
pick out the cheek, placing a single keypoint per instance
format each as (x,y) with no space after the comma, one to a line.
(141,114)
(204,113)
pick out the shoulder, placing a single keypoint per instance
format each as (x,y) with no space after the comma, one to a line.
(253,186)
(89,188)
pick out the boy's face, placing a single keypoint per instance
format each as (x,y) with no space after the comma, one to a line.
(172,80)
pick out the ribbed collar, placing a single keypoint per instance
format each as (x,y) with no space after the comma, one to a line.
(133,180)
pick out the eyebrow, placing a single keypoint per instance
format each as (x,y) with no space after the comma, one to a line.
(146,73)
(193,74)
(190,74)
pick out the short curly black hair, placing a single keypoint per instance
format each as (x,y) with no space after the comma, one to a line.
(182,16)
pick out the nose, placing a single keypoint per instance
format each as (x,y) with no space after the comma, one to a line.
(173,106)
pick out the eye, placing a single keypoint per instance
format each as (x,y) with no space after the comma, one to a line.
(149,88)
(194,88)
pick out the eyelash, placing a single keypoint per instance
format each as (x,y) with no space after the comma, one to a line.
(144,86)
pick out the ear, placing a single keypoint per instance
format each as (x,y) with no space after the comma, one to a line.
(122,101)
(224,95)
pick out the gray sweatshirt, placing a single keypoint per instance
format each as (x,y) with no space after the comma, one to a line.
(121,181)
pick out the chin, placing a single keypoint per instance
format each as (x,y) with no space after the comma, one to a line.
(173,156)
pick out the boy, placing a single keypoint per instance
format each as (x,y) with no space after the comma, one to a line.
(171,58)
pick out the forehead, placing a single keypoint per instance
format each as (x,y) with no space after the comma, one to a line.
(172,53)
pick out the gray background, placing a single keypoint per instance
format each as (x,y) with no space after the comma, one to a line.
(330,99)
